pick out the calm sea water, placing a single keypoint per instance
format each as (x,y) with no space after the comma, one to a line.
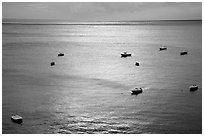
(88,90)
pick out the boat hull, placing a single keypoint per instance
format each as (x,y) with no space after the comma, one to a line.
(137,64)
(136,92)
(125,55)
(183,53)
(17,119)
(52,63)
(161,49)
(61,54)
(192,89)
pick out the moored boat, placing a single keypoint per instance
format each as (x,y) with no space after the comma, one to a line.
(193,88)
(52,63)
(125,54)
(137,64)
(183,53)
(60,54)
(17,119)
(163,48)
(136,91)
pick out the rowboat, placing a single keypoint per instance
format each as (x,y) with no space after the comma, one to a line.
(163,48)
(183,53)
(193,88)
(137,91)
(17,119)
(125,54)
(60,54)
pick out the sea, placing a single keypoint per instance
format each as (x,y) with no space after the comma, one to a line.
(88,90)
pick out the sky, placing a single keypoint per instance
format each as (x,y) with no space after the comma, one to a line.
(103,11)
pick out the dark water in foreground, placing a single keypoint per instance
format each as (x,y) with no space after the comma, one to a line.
(88,90)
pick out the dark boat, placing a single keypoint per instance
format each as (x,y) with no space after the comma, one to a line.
(17,119)
(125,54)
(60,54)
(193,88)
(137,91)
(183,53)
(137,64)
(162,48)
(52,63)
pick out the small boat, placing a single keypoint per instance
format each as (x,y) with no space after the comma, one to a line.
(137,64)
(137,91)
(17,119)
(183,53)
(193,88)
(52,63)
(60,54)
(163,48)
(125,54)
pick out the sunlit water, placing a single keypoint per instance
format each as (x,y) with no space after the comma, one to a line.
(88,90)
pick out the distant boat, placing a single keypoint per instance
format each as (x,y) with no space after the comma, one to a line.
(17,119)
(183,53)
(163,48)
(125,54)
(193,88)
(137,91)
(60,54)
(137,64)
(52,63)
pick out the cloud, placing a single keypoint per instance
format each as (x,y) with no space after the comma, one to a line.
(37,6)
(103,11)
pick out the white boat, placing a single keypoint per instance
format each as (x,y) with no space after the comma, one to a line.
(17,119)
(193,87)
(137,91)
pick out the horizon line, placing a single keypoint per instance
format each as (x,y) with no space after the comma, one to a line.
(100,20)
(66,22)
